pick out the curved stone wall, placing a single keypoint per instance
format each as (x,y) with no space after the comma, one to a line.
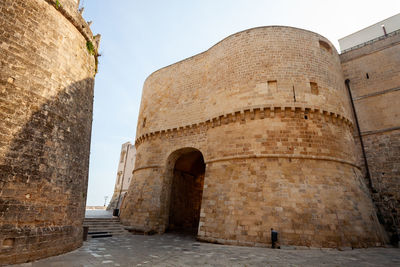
(268,109)
(46,96)
(242,69)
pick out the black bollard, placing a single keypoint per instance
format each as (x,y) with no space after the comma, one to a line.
(274,237)
(85,232)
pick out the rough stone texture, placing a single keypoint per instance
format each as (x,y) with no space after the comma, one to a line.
(268,110)
(46,95)
(374,74)
(184,251)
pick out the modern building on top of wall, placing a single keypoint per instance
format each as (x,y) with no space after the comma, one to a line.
(126,165)
(370,34)
(259,132)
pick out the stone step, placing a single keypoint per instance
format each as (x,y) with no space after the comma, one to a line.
(96,233)
(102,224)
(104,227)
(85,222)
(118,233)
(102,221)
(101,235)
(105,231)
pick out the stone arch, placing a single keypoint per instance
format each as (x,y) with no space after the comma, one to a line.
(184,175)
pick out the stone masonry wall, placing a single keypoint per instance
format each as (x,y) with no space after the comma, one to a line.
(258,78)
(374,74)
(46,96)
(268,109)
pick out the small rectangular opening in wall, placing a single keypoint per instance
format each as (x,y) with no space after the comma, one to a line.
(272,85)
(314,88)
(367,75)
(8,243)
(325,46)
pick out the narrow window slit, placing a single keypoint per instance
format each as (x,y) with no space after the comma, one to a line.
(294,94)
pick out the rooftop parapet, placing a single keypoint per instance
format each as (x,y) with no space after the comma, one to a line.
(370,34)
(69,9)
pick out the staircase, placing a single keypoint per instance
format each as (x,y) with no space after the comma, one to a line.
(104,227)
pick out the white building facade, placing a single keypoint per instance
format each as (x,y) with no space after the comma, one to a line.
(126,165)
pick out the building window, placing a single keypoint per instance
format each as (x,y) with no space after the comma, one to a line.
(324,45)
(314,88)
(272,85)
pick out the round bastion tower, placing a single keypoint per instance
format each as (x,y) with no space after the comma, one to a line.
(47,67)
(254,133)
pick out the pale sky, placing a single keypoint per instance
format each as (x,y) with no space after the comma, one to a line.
(139,37)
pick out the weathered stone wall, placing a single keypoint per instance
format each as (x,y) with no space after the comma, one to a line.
(250,75)
(268,109)
(46,95)
(374,74)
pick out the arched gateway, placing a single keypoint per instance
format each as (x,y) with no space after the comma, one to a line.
(186,169)
(269,111)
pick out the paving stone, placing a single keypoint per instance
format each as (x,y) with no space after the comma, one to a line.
(161,252)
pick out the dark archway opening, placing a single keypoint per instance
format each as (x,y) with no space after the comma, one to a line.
(186,193)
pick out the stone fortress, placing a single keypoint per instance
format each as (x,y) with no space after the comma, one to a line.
(48,60)
(259,132)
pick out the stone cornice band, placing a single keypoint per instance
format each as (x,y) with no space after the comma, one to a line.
(261,156)
(287,156)
(146,167)
(377,93)
(379,131)
(239,115)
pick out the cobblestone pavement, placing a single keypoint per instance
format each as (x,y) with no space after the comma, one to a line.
(180,250)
